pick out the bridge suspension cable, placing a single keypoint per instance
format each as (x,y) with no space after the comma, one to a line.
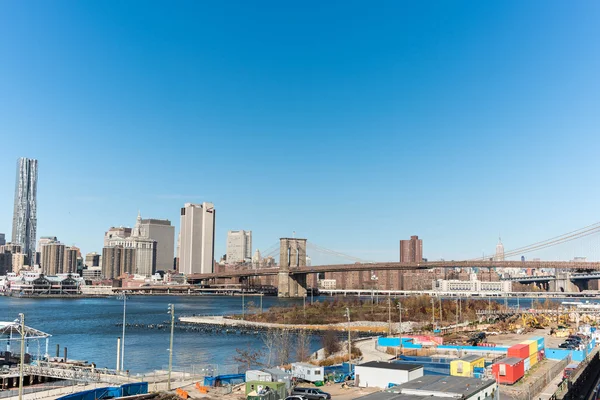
(315,247)
(554,241)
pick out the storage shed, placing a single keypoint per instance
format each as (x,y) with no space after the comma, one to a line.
(518,351)
(464,366)
(278,375)
(381,374)
(307,372)
(509,370)
(258,375)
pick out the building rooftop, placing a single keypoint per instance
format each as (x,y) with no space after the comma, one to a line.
(442,386)
(470,358)
(510,360)
(392,396)
(156,221)
(396,366)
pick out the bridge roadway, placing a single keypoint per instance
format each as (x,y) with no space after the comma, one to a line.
(397,266)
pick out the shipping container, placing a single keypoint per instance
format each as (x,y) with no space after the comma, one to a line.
(509,370)
(527,364)
(540,342)
(518,351)
(465,365)
(533,359)
(532,346)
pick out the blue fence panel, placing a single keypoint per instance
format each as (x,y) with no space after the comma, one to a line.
(131,389)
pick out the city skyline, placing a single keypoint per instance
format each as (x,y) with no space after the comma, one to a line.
(354,126)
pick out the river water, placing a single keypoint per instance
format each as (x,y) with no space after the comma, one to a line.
(89,327)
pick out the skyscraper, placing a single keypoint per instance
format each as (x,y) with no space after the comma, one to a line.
(239,246)
(145,248)
(197,239)
(163,233)
(411,250)
(24,215)
(53,258)
(499,251)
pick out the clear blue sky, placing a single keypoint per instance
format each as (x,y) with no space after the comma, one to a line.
(353,123)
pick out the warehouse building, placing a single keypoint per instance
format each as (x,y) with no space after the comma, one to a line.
(382,374)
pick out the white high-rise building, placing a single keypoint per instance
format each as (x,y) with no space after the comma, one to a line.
(239,246)
(499,251)
(25,211)
(161,231)
(197,239)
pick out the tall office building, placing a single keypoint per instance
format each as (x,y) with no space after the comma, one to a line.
(197,239)
(117,260)
(239,246)
(70,260)
(2,239)
(499,251)
(145,248)
(411,250)
(53,258)
(92,260)
(24,215)
(163,233)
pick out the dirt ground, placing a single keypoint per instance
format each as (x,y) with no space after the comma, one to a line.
(509,339)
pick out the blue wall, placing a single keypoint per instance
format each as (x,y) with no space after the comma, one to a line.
(576,355)
(129,389)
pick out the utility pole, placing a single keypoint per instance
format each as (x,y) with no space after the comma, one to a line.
(389,315)
(440,303)
(349,340)
(243,305)
(457,312)
(22,317)
(124,295)
(172,312)
(433,313)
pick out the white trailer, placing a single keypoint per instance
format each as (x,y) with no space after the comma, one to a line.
(307,372)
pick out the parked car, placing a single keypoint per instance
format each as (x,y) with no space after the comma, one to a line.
(568,346)
(575,338)
(311,393)
(295,398)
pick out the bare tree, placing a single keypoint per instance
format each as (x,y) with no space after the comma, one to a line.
(302,346)
(330,342)
(270,340)
(283,346)
(248,357)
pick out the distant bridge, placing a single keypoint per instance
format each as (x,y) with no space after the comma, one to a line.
(397,266)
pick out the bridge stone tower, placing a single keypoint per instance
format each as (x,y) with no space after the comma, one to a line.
(292,255)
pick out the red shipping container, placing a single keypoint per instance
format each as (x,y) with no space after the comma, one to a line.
(509,370)
(518,351)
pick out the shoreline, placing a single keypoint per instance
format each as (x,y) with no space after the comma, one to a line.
(355,326)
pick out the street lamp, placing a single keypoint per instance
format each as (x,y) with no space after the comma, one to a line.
(124,297)
(172,312)
(22,331)
(347,314)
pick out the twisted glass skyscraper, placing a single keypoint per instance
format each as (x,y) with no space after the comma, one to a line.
(24,216)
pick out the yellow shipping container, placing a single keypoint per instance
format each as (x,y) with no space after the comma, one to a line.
(464,366)
(533,360)
(533,346)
